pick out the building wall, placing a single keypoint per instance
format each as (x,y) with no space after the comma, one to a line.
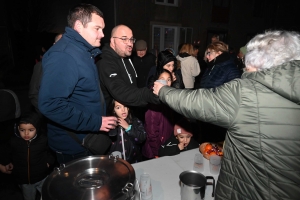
(25,24)
(246,18)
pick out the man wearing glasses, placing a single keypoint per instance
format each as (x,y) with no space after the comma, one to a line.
(117,73)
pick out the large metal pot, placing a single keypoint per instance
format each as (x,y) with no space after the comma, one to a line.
(92,178)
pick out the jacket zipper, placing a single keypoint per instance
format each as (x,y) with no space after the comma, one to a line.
(211,70)
(28,152)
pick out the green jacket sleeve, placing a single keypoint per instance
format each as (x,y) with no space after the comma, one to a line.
(216,105)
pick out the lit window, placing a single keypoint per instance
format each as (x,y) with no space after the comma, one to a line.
(170,37)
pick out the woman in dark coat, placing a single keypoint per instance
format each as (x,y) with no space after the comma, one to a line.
(166,60)
(220,69)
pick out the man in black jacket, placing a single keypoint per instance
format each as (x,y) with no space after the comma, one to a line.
(34,85)
(117,73)
(142,61)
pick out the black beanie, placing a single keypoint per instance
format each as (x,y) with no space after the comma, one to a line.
(30,118)
(163,58)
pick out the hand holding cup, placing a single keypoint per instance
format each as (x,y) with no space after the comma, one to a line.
(108,123)
(157,85)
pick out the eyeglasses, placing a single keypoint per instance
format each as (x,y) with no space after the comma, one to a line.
(125,40)
(208,53)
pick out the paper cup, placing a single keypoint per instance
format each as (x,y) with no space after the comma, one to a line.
(164,82)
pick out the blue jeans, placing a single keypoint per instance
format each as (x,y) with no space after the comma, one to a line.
(29,190)
(64,158)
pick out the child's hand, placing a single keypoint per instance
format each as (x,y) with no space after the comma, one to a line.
(123,123)
(7,169)
(3,169)
(48,165)
(181,146)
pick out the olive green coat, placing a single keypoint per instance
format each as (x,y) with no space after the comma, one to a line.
(262,114)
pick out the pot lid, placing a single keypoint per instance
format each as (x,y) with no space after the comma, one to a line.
(92,177)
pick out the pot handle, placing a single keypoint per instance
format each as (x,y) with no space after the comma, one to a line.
(213,184)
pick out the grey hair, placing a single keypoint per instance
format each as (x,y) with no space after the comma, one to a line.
(272,48)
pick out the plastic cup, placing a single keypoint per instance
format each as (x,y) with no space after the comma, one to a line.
(164,82)
(214,164)
(145,186)
(198,162)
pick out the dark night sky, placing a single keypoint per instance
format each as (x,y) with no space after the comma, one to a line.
(48,15)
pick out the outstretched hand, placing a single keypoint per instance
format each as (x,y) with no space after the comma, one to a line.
(7,169)
(108,123)
(156,87)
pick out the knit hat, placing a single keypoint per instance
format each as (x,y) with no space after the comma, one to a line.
(182,127)
(141,45)
(243,50)
(30,118)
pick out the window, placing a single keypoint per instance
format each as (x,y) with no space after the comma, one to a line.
(167,2)
(170,37)
(186,34)
(164,37)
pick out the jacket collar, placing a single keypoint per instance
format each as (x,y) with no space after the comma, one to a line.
(74,35)
(283,79)
(108,51)
(219,59)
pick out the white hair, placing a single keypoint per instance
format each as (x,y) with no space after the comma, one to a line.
(272,48)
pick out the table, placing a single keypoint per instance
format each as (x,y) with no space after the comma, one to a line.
(165,171)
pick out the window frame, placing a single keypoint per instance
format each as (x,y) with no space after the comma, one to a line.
(176,40)
(162,40)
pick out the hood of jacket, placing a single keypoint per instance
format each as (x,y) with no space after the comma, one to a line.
(283,79)
(183,56)
(108,52)
(18,135)
(222,59)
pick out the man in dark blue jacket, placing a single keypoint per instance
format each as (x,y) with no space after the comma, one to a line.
(70,95)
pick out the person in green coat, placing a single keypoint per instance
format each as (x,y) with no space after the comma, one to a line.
(261,112)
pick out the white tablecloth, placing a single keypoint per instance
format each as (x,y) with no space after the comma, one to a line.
(165,171)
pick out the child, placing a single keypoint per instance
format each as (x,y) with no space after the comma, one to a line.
(166,60)
(158,122)
(128,135)
(30,155)
(181,141)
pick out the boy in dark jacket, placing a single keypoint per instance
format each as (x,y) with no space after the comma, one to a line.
(181,141)
(30,155)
